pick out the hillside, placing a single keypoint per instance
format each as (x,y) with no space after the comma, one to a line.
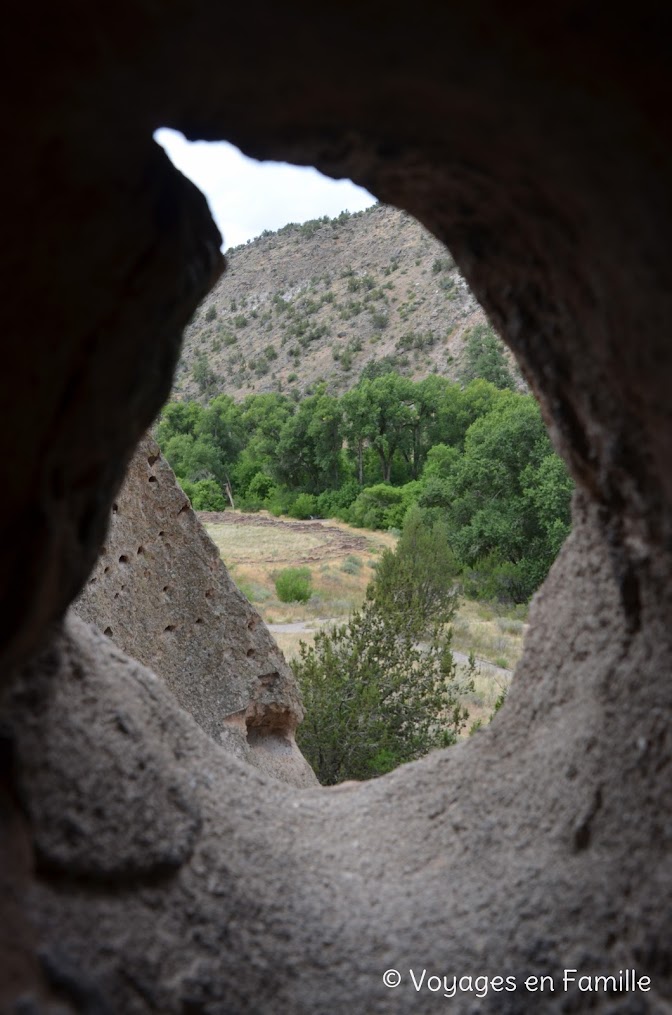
(319,301)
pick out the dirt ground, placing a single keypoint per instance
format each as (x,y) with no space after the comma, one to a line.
(300,542)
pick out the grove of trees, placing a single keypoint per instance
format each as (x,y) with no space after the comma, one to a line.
(473,459)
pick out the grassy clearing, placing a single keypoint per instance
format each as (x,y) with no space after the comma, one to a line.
(341,560)
(490,632)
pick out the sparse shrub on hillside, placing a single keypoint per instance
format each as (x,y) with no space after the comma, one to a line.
(351,565)
(211,312)
(350,309)
(379,319)
(240,321)
(202,374)
(270,352)
(294,585)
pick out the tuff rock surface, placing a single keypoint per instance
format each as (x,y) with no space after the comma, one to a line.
(145,869)
(161,592)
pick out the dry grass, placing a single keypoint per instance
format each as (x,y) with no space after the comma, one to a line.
(492,634)
(249,544)
(341,560)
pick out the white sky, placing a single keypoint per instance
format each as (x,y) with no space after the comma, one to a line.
(246,196)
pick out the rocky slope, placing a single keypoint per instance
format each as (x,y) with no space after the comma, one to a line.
(319,301)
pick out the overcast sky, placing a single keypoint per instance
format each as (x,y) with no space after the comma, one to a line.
(246,196)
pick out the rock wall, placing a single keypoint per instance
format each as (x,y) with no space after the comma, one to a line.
(161,592)
(145,869)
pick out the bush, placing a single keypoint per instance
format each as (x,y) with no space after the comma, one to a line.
(261,487)
(373,699)
(383,506)
(211,312)
(294,585)
(415,584)
(205,495)
(304,506)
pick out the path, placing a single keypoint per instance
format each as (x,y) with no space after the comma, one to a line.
(308,626)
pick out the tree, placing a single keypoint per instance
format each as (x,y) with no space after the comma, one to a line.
(373,699)
(203,374)
(309,452)
(416,583)
(484,357)
(394,408)
(502,501)
(358,424)
(205,495)
(193,458)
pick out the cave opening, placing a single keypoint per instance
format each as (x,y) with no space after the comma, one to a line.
(330,318)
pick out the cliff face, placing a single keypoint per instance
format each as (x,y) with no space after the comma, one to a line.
(162,594)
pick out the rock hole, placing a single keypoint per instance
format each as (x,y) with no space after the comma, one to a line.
(165,588)
(199,620)
(162,533)
(151,459)
(141,549)
(152,479)
(250,653)
(169,627)
(208,593)
(106,569)
(185,507)
(108,632)
(115,509)
(123,559)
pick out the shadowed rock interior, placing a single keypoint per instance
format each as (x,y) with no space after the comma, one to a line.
(143,867)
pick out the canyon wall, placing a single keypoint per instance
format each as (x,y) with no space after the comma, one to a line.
(163,595)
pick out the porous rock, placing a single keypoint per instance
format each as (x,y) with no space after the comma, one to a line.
(162,593)
(533,140)
(212,889)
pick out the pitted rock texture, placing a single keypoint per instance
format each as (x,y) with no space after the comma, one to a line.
(522,852)
(162,593)
(534,141)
